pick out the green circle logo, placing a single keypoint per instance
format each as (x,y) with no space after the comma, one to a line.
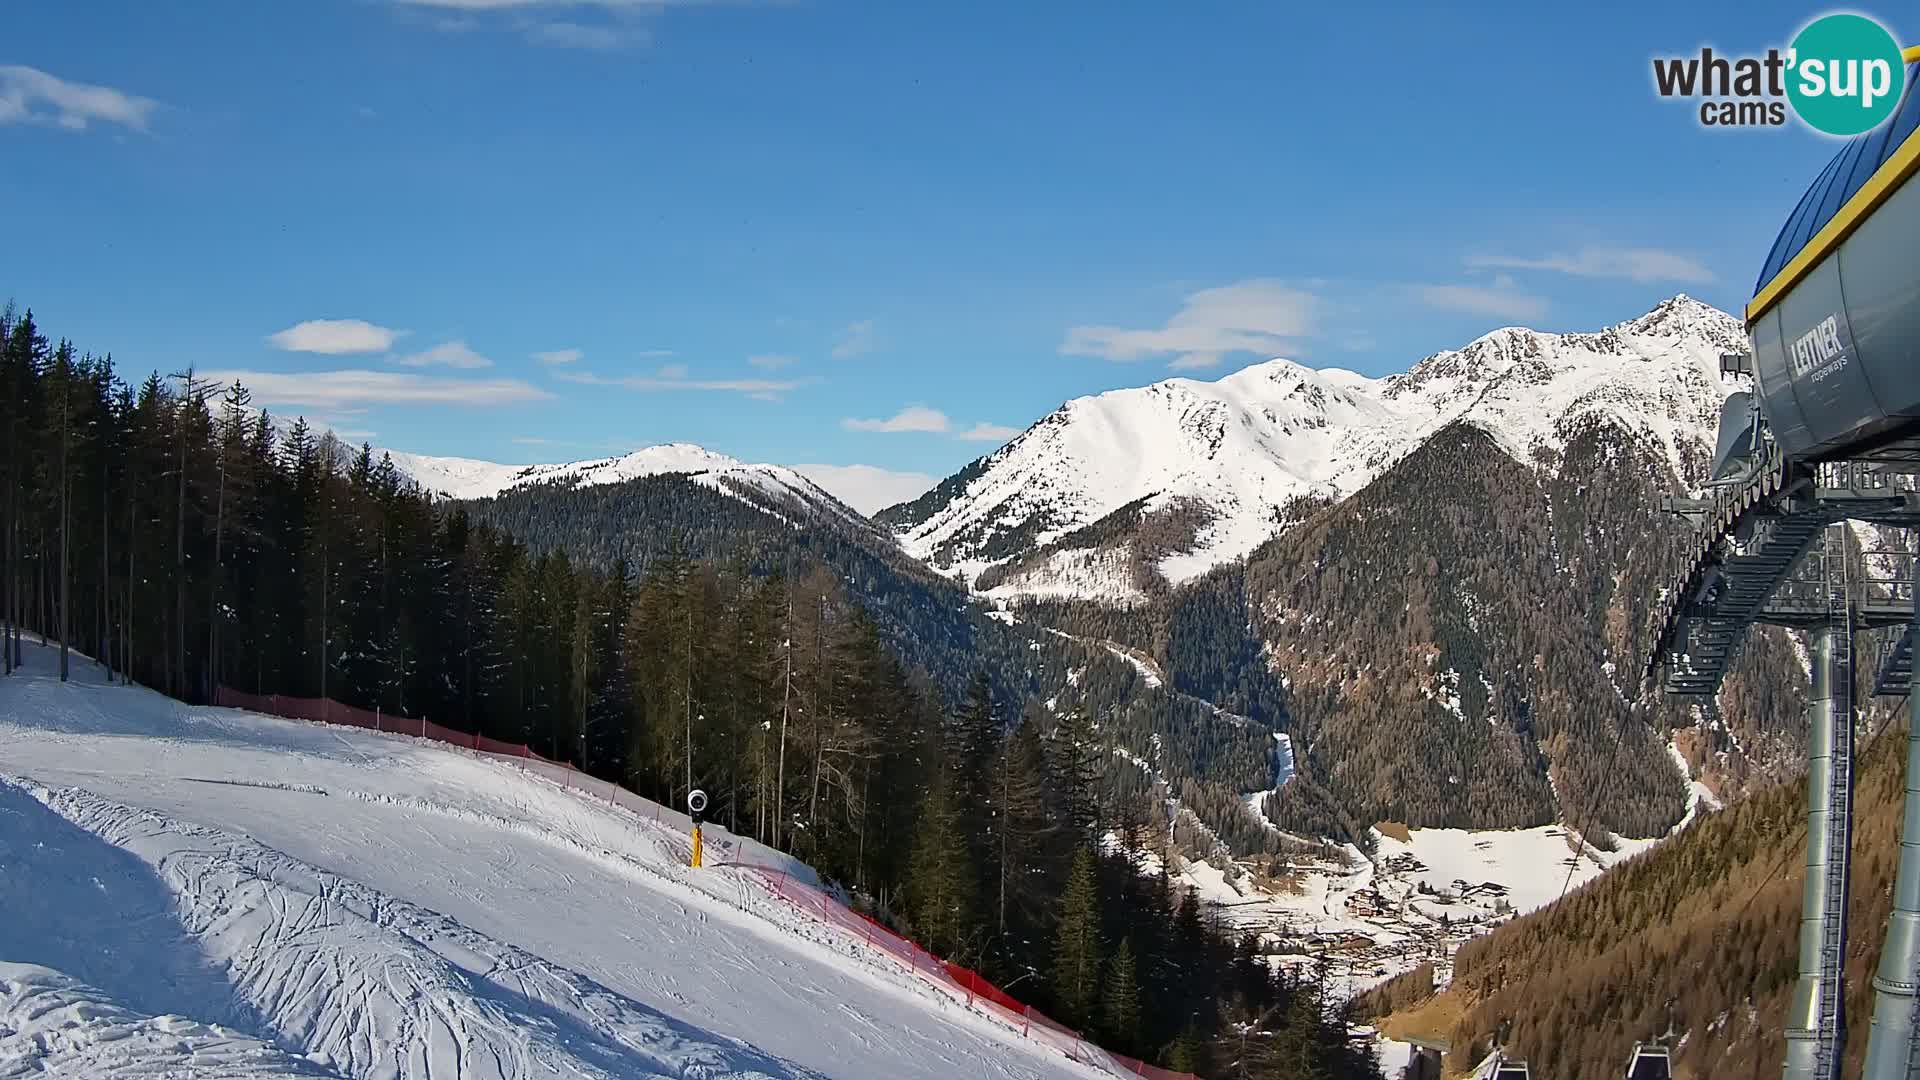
(1845,74)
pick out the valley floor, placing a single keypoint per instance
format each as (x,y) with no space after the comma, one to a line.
(207,892)
(1422,894)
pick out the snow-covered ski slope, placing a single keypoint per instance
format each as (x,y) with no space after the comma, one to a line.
(206,892)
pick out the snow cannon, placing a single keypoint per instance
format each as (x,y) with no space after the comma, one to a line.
(696,809)
(1835,317)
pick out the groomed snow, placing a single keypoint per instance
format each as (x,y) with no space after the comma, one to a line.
(247,896)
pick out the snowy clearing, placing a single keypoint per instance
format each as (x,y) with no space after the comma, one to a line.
(207,892)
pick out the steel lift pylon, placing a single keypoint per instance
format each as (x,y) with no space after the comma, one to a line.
(1773,550)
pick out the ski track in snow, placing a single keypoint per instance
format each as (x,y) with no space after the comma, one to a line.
(54,1025)
(206,892)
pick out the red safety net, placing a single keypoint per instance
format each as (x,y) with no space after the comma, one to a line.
(431,730)
(962,984)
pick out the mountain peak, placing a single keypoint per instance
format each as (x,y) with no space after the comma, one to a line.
(1681,314)
(1205,470)
(668,457)
(465,478)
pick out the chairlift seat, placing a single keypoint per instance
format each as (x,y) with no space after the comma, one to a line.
(1650,1063)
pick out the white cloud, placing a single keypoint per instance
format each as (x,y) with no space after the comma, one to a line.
(1644,265)
(351,388)
(985,432)
(508,5)
(1261,316)
(335,337)
(565,34)
(31,96)
(1502,300)
(912,418)
(867,488)
(674,377)
(453,354)
(1197,361)
(770,361)
(570,444)
(558,357)
(344,427)
(857,339)
(570,24)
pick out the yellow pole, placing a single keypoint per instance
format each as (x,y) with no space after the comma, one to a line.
(696,845)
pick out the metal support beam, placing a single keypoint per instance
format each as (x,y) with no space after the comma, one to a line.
(1893,1046)
(1816,1030)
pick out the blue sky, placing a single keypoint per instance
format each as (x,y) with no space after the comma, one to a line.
(879,234)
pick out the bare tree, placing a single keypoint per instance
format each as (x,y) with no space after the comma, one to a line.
(232,423)
(192,396)
(786,711)
(63,380)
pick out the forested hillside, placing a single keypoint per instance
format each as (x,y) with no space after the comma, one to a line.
(1708,921)
(1207,760)
(1494,616)
(172,535)
(1457,643)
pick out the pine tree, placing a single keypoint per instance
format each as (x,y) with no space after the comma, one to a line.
(972,736)
(62,376)
(1076,956)
(1076,770)
(1189,940)
(940,877)
(1300,1047)
(1120,1006)
(1185,1054)
(1029,859)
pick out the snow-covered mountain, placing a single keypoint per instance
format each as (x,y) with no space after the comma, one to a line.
(1193,473)
(468,478)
